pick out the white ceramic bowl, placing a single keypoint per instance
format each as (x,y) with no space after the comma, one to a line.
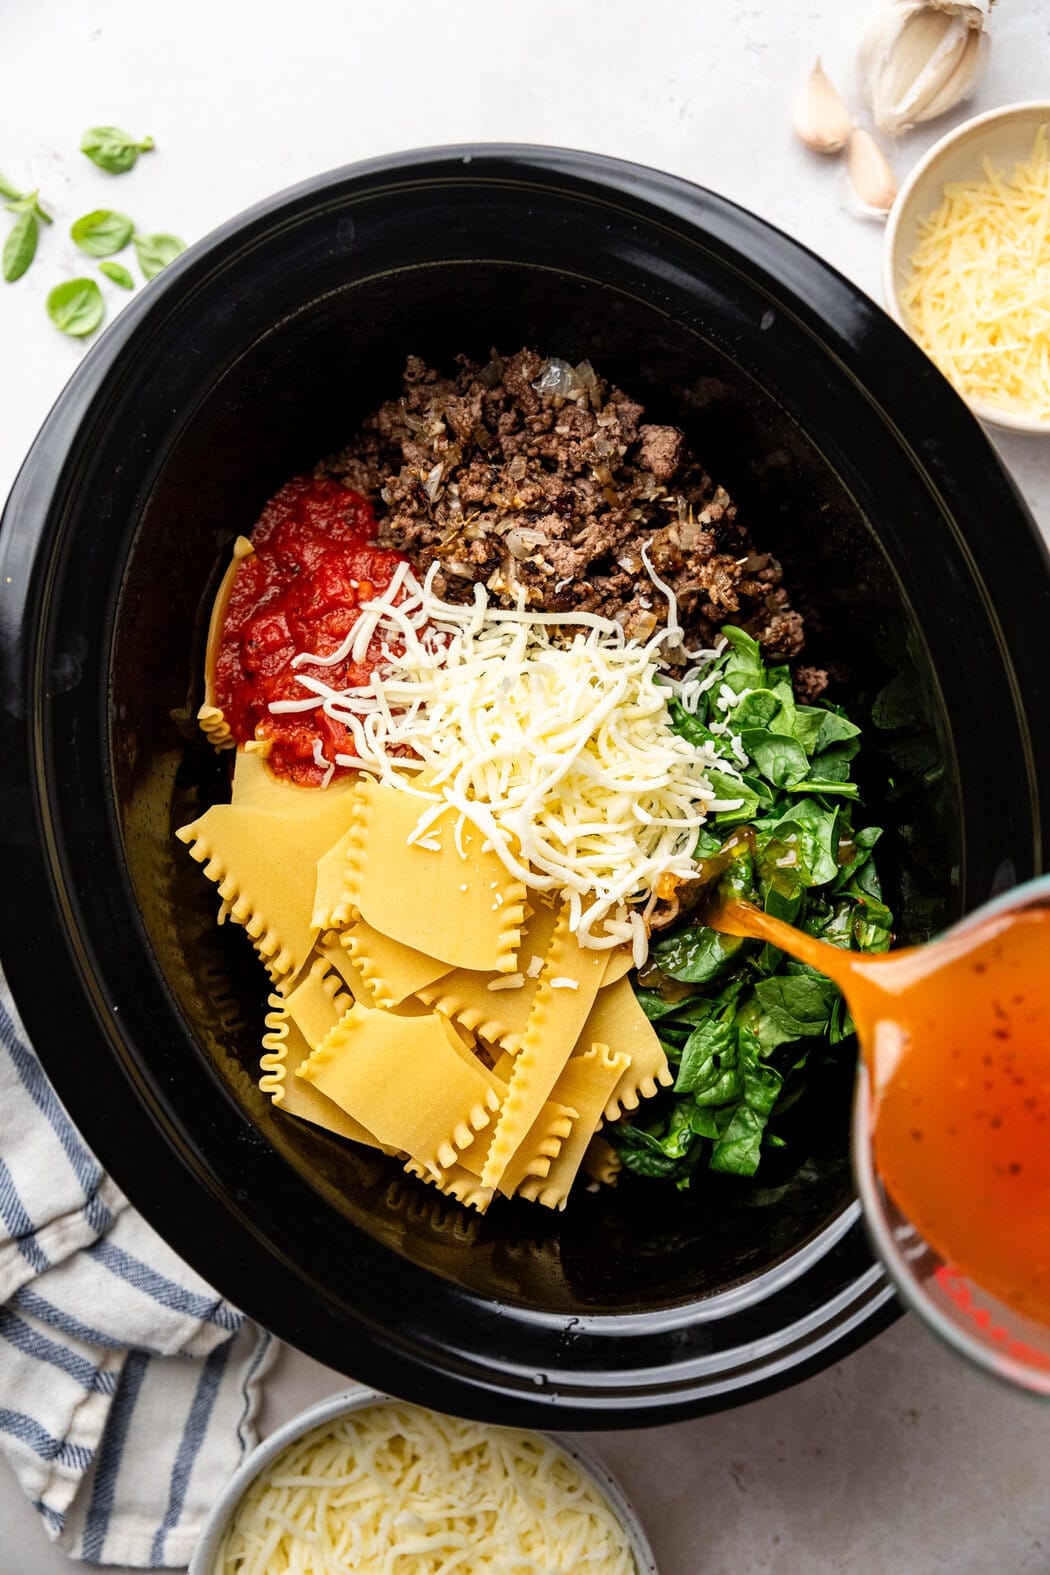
(1004,136)
(207,1549)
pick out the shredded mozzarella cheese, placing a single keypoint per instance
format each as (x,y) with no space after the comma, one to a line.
(395,1490)
(562,755)
(978,298)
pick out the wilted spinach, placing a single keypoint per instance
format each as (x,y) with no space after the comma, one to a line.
(748,1017)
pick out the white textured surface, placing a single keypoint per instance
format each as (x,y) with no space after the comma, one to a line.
(899,1461)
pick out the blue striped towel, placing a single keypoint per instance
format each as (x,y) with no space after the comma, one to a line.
(128,1388)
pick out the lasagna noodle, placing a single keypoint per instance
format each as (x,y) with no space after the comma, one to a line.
(534,1154)
(391,970)
(586,1083)
(534,1157)
(318,1002)
(601,1161)
(408,1080)
(455,1182)
(338,958)
(463,911)
(210,717)
(263,864)
(568,986)
(618,967)
(256,787)
(331,882)
(499,1015)
(285,1050)
(617,1020)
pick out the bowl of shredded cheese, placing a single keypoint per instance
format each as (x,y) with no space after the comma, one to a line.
(966,266)
(363,1482)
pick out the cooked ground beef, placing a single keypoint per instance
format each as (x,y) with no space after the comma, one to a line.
(528,474)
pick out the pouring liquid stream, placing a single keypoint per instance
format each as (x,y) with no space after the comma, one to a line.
(956,1037)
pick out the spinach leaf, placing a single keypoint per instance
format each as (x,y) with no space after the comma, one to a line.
(759,709)
(102,232)
(642,1153)
(696,955)
(747,793)
(76,307)
(11,193)
(782,760)
(744,667)
(742,1037)
(738,1149)
(708,1068)
(797,1005)
(835,728)
(112,149)
(809,829)
(809,720)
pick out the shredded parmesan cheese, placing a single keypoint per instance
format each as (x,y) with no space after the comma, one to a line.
(395,1490)
(562,755)
(978,298)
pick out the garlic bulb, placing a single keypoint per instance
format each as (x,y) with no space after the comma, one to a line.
(918,58)
(821,118)
(872,181)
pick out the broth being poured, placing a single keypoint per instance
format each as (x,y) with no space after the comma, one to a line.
(956,1037)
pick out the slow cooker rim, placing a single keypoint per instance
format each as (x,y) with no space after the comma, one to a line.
(588,167)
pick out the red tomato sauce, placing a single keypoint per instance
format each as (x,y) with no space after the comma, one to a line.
(315,561)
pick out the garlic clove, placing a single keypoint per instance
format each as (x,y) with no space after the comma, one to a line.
(960,83)
(873,182)
(821,118)
(919,58)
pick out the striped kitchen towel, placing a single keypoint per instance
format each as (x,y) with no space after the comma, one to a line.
(128,1388)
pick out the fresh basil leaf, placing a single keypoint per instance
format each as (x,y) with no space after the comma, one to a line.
(118,273)
(30,203)
(696,955)
(20,247)
(76,307)
(11,193)
(112,149)
(155,252)
(102,232)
